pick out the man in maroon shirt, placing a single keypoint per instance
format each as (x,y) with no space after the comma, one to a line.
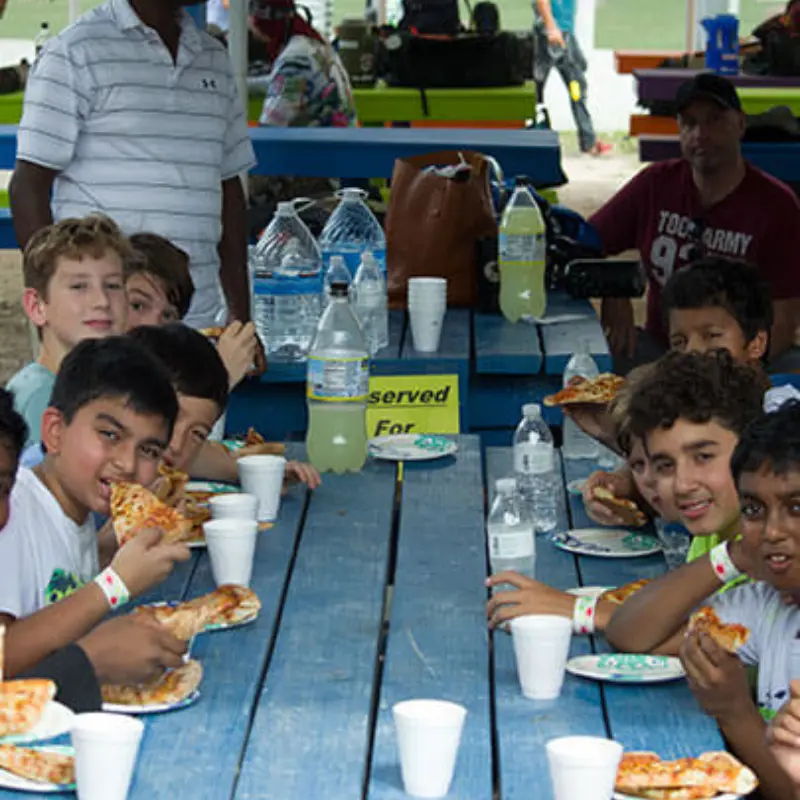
(709,202)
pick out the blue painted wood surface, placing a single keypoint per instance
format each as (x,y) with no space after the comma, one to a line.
(524,726)
(310,734)
(8,240)
(437,645)
(506,349)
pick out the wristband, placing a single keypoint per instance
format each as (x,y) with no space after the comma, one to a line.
(113,587)
(721,562)
(583,615)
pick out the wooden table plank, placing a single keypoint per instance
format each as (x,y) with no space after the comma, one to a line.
(524,726)
(504,348)
(454,346)
(310,734)
(437,646)
(661,717)
(561,339)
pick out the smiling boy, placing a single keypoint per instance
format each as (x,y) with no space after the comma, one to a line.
(109,420)
(74,290)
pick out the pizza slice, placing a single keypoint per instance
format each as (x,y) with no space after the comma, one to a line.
(728,773)
(171,485)
(22,703)
(213,332)
(229,605)
(184,622)
(134,508)
(40,766)
(621,594)
(254,437)
(587,391)
(677,793)
(170,688)
(630,514)
(729,636)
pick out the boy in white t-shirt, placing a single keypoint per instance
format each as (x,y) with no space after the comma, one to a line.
(111,416)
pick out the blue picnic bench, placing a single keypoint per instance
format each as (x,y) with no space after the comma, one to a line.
(500,367)
(372,592)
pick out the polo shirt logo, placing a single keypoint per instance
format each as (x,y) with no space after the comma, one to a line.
(209,83)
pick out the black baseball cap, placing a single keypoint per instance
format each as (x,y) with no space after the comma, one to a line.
(708,86)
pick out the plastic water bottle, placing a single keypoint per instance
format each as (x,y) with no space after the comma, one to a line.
(578,444)
(336,272)
(42,38)
(534,467)
(369,303)
(338,381)
(351,230)
(522,252)
(512,545)
(287,286)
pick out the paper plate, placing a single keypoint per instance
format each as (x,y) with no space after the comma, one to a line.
(55,721)
(607,543)
(588,591)
(212,487)
(576,487)
(156,708)
(10,781)
(627,668)
(411,447)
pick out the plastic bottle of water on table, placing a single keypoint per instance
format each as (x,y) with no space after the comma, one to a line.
(368,297)
(522,253)
(578,444)
(510,531)
(352,230)
(534,467)
(287,286)
(336,391)
(336,272)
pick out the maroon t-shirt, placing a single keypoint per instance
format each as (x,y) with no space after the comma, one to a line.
(658,212)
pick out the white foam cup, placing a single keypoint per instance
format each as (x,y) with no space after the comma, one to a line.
(106,747)
(426,328)
(541,646)
(428,736)
(583,767)
(234,506)
(231,546)
(262,476)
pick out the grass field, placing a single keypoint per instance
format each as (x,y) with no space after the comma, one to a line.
(621,24)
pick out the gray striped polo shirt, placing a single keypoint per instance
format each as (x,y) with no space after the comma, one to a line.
(133,134)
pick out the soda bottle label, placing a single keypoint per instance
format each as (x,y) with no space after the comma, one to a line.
(337,380)
(518,544)
(516,247)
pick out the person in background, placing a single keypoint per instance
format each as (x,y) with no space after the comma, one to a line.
(217,14)
(708,202)
(555,45)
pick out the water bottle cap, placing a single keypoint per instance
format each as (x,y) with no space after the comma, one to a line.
(506,485)
(338,289)
(285,209)
(531,410)
(351,194)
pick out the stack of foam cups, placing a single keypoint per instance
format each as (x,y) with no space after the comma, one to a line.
(427,304)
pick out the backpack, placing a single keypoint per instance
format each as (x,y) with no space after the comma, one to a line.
(430,17)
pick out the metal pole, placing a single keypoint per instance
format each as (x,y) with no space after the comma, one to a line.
(74,10)
(237,45)
(689,26)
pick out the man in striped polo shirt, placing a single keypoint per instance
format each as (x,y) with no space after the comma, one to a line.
(133,111)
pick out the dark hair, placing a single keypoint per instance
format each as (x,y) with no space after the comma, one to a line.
(191,361)
(716,282)
(697,387)
(154,255)
(13,428)
(114,367)
(772,439)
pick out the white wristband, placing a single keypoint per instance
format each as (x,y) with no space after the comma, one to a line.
(113,587)
(721,562)
(583,615)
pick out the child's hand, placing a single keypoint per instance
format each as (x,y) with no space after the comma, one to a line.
(717,678)
(237,348)
(592,418)
(784,734)
(619,483)
(530,597)
(132,649)
(144,562)
(302,472)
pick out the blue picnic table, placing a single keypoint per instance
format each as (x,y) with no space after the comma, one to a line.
(500,367)
(372,592)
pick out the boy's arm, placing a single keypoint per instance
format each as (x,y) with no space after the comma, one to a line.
(215,462)
(554,35)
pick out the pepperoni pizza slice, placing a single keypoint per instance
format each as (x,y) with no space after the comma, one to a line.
(134,509)
(630,514)
(620,595)
(22,703)
(170,688)
(40,766)
(729,636)
(587,391)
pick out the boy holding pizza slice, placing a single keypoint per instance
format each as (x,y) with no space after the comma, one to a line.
(752,624)
(110,418)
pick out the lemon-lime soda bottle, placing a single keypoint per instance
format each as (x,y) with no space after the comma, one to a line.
(336,391)
(521,258)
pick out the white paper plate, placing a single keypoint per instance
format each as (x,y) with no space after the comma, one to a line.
(576,487)
(215,487)
(607,543)
(627,668)
(55,721)
(158,708)
(411,447)
(588,591)
(10,781)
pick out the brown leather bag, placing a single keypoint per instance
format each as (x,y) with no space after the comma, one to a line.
(434,223)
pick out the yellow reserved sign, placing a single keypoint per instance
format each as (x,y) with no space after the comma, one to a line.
(412,404)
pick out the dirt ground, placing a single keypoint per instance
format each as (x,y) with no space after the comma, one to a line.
(591,182)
